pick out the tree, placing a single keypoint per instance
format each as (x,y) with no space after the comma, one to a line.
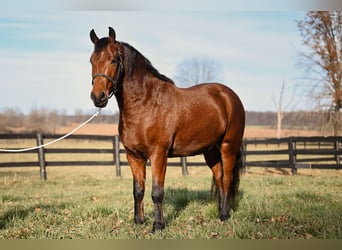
(321,32)
(197,70)
(281,108)
(11,119)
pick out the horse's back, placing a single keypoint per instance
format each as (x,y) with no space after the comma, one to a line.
(220,95)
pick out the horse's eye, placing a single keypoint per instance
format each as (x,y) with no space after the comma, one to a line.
(114,61)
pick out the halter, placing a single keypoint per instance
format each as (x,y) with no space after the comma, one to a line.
(114,82)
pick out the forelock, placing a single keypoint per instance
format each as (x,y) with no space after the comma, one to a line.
(101,44)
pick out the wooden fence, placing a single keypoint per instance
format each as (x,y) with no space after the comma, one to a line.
(292,152)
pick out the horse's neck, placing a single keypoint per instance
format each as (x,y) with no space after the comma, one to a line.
(137,92)
(140,88)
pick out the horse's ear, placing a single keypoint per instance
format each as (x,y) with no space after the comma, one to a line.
(111,34)
(93,36)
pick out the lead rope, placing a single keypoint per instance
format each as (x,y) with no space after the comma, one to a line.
(54,141)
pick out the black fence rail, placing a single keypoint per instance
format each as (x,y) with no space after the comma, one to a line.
(108,151)
(93,150)
(293,152)
(10,140)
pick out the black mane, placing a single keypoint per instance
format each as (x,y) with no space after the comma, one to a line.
(131,55)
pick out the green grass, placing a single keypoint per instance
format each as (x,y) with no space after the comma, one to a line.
(91,203)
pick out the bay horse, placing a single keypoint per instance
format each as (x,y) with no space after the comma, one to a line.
(159,120)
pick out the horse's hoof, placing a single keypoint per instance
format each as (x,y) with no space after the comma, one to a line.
(138,221)
(224,217)
(158,226)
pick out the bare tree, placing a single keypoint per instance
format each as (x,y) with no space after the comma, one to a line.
(44,120)
(196,70)
(321,32)
(281,108)
(36,121)
(11,119)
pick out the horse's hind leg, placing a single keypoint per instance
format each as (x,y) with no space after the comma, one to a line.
(230,176)
(213,158)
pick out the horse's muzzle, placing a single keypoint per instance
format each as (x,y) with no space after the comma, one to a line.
(101,100)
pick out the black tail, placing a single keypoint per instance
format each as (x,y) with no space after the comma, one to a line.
(234,187)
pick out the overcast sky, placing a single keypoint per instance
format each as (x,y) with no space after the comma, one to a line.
(44,54)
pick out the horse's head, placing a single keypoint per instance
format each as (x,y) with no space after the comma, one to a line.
(107,67)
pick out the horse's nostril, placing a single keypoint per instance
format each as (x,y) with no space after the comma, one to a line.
(99,100)
(102,96)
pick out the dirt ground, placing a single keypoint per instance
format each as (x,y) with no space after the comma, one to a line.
(250,131)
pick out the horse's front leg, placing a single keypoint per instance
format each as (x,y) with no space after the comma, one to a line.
(138,168)
(158,164)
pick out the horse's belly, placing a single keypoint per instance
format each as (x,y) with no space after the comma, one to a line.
(186,151)
(197,135)
(193,144)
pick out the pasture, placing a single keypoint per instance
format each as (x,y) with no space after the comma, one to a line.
(92,203)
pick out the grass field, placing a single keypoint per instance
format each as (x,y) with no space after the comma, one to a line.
(91,203)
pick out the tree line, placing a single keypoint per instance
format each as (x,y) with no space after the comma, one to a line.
(306,120)
(48,121)
(43,120)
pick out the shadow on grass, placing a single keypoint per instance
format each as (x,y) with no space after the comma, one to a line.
(180,198)
(20,213)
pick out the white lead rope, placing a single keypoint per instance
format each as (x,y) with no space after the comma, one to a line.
(54,141)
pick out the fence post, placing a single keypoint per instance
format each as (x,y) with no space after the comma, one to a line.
(41,157)
(337,155)
(292,155)
(184,166)
(117,155)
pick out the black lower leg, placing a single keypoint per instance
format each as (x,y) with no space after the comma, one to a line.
(157,197)
(223,208)
(138,193)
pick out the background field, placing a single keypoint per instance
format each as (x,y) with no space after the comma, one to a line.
(91,203)
(250,131)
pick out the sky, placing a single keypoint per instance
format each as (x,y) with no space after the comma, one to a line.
(44,53)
